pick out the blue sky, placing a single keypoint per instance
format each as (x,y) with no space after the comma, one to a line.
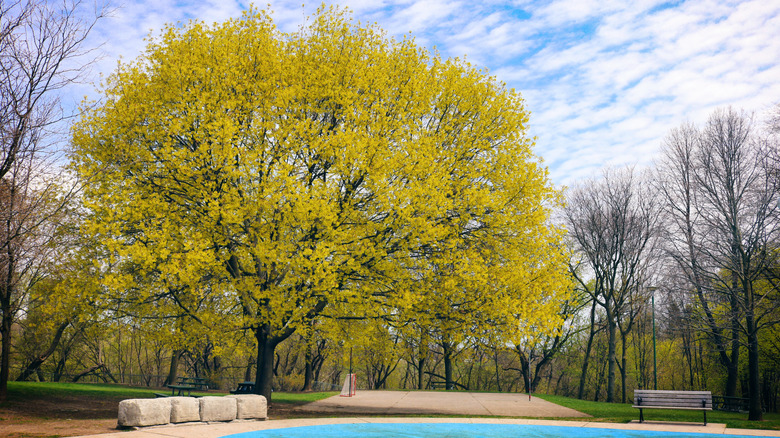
(604,80)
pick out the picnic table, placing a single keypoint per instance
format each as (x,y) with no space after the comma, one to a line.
(198,382)
(244,388)
(180,389)
(187,384)
(731,404)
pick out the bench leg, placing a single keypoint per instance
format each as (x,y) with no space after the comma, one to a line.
(641,417)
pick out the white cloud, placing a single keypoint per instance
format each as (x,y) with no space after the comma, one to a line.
(604,79)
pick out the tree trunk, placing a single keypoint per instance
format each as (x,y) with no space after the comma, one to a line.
(265,362)
(754,379)
(732,373)
(5,347)
(688,355)
(495,359)
(266,348)
(317,363)
(6,308)
(308,370)
(732,365)
(600,373)
(36,363)
(588,348)
(623,368)
(611,358)
(382,373)
(94,369)
(173,368)
(248,370)
(447,365)
(65,352)
(420,373)
(526,370)
(537,371)
(60,368)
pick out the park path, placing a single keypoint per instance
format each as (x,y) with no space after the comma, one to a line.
(441,403)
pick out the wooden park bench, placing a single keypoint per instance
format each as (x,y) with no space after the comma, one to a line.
(438,384)
(656,399)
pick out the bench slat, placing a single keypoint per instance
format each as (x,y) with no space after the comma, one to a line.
(672,400)
(669,392)
(666,403)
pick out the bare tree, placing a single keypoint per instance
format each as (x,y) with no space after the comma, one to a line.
(612,223)
(773,120)
(740,199)
(721,197)
(40,50)
(684,239)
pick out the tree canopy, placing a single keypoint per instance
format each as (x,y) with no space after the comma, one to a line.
(249,179)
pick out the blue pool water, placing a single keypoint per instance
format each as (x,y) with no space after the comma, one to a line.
(459,430)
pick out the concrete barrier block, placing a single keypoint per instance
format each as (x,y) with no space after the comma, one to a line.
(218,408)
(250,406)
(184,409)
(144,412)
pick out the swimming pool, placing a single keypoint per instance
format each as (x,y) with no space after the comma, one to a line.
(460,430)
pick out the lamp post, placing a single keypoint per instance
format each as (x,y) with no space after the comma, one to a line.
(655,357)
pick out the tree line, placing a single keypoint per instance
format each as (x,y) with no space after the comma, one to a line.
(245,204)
(699,231)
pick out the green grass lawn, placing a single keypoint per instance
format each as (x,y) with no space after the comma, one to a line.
(20,390)
(17,390)
(623,413)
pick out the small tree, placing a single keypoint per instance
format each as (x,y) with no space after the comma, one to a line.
(612,223)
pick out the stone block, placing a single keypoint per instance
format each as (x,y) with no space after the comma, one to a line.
(250,406)
(144,412)
(184,409)
(217,409)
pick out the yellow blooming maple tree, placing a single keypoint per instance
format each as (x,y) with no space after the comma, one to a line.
(250,179)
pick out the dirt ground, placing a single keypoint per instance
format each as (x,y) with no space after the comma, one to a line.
(73,416)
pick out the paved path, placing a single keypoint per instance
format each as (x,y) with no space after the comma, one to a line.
(441,403)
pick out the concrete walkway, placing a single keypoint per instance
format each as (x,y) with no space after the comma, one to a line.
(440,403)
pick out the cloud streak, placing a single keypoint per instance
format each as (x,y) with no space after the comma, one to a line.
(604,80)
